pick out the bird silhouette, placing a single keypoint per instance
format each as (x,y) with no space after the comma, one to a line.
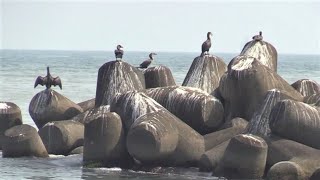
(48,80)
(206,45)
(147,62)
(118,52)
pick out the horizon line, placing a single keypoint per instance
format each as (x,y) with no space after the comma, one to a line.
(164,51)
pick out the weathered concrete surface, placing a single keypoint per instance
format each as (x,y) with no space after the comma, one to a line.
(104,141)
(160,138)
(313,99)
(280,149)
(158,76)
(263,52)
(212,158)
(91,114)
(155,136)
(77,150)
(205,73)
(131,105)
(306,87)
(286,170)
(296,121)
(61,137)
(236,126)
(88,104)
(48,105)
(117,77)
(10,115)
(245,84)
(245,157)
(23,140)
(198,109)
(259,123)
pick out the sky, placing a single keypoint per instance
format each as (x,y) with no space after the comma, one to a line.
(293,27)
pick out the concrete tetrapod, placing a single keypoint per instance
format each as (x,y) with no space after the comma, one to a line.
(286,170)
(158,76)
(61,137)
(230,129)
(198,109)
(117,77)
(296,121)
(205,73)
(88,104)
(48,105)
(23,140)
(280,149)
(104,142)
(245,157)
(160,138)
(245,84)
(306,87)
(10,115)
(313,99)
(263,52)
(259,123)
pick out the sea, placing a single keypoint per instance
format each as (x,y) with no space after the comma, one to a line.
(78,72)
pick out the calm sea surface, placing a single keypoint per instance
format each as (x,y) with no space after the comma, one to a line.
(78,71)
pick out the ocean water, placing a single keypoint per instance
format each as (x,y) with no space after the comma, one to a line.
(78,71)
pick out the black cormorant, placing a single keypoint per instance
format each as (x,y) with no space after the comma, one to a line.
(48,80)
(147,62)
(118,52)
(258,37)
(206,45)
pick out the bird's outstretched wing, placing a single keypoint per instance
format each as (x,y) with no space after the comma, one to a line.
(57,82)
(40,80)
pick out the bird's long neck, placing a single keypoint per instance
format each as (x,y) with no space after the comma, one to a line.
(48,72)
(208,37)
(151,57)
(260,33)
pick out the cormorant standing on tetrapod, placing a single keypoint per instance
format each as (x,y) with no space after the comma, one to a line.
(48,80)
(206,45)
(118,52)
(258,37)
(147,62)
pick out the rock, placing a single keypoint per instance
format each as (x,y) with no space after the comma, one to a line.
(10,115)
(131,105)
(117,77)
(259,123)
(23,140)
(286,170)
(244,86)
(263,51)
(159,76)
(212,157)
(245,157)
(104,141)
(287,150)
(296,121)
(61,137)
(306,87)
(77,150)
(205,73)
(313,99)
(198,109)
(91,114)
(87,105)
(48,105)
(161,139)
(237,126)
